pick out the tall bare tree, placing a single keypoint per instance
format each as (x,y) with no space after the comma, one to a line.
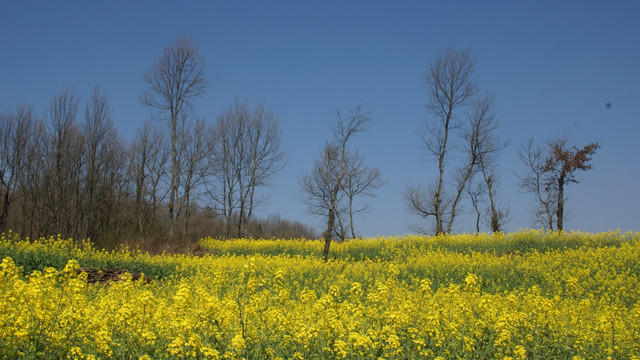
(65,161)
(450,88)
(104,158)
(193,154)
(177,78)
(222,187)
(321,189)
(246,153)
(266,157)
(483,145)
(148,169)
(533,157)
(31,220)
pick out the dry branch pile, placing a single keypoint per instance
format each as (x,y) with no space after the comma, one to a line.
(100,276)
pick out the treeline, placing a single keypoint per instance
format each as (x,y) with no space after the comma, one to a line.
(460,135)
(70,172)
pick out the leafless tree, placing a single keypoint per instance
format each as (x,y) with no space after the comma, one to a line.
(265,158)
(16,131)
(476,191)
(321,189)
(65,160)
(176,79)
(104,158)
(193,154)
(362,179)
(246,153)
(450,89)
(148,168)
(483,145)
(222,187)
(533,181)
(497,215)
(30,221)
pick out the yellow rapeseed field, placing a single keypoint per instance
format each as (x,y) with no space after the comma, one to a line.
(526,295)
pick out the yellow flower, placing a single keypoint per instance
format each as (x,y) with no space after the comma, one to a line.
(520,352)
(237,343)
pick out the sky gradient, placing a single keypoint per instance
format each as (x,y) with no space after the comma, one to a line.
(553,66)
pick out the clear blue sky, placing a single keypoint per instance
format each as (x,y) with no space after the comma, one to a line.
(552,66)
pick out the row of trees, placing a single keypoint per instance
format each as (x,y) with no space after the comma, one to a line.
(63,174)
(70,172)
(75,175)
(58,176)
(459,134)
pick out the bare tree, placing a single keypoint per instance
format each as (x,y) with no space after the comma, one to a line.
(497,215)
(193,155)
(30,222)
(246,153)
(450,88)
(362,179)
(483,144)
(16,131)
(148,168)
(560,167)
(266,158)
(476,191)
(533,181)
(321,189)
(222,188)
(63,177)
(177,78)
(104,158)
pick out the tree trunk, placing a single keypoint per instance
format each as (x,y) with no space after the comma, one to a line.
(174,171)
(560,211)
(461,187)
(328,233)
(438,202)
(5,211)
(438,197)
(495,217)
(240,221)
(331,219)
(353,233)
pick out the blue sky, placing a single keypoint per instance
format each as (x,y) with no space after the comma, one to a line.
(551,65)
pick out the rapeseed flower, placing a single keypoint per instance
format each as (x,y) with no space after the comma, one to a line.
(551,296)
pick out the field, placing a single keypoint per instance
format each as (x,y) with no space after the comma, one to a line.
(525,295)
